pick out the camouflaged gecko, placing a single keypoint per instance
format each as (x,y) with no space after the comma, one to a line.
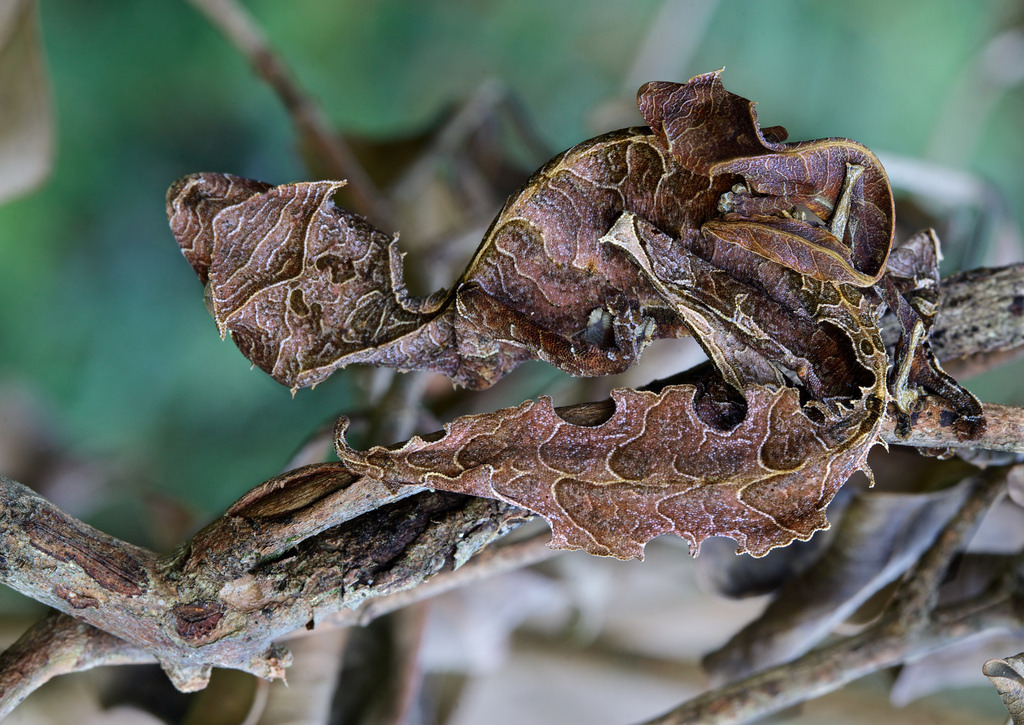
(773,255)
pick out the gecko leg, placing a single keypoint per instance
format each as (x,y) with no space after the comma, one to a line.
(841,213)
(910,288)
(487,329)
(767,226)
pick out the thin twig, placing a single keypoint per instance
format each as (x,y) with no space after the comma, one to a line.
(919,592)
(932,428)
(407,678)
(241,30)
(828,669)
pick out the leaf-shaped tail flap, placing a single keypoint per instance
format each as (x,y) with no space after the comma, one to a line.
(654,467)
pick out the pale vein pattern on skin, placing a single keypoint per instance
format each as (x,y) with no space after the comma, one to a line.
(771,254)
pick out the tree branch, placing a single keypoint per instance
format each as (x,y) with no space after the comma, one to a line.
(203,606)
(491,562)
(933,429)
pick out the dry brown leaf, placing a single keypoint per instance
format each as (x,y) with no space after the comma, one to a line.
(26,123)
(305,287)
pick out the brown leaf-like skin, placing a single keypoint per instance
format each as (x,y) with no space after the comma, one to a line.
(305,287)
(654,467)
(193,202)
(771,254)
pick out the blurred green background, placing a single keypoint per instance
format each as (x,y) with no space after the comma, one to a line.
(104,340)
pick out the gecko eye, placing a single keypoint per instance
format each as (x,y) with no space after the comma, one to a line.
(598,331)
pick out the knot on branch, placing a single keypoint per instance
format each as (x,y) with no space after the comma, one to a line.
(195,621)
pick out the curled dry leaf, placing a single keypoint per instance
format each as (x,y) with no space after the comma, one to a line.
(772,255)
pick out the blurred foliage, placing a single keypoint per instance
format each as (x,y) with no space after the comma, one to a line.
(104,323)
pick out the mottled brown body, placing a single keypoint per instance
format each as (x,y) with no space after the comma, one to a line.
(544,254)
(305,287)
(772,255)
